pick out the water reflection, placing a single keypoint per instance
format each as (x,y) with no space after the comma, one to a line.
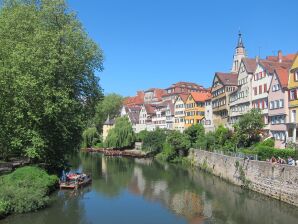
(145,191)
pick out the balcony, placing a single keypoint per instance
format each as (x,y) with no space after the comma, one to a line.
(217,109)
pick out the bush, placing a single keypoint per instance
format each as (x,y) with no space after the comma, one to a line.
(266,152)
(167,154)
(25,190)
(284,153)
(154,140)
(268,142)
(4,208)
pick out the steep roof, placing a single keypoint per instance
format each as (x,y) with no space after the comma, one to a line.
(134,114)
(228,79)
(149,108)
(270,66)
(109,121)
(200,97)
(294,66)
(250,64)
(283,76)
(183,96)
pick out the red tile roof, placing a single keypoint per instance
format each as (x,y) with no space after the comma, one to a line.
(135,100)
(149,108)
(269,66)
(200,97)
(288,57)
(228,79)
(250,64)
(189,85)
(283,76)
(183,96)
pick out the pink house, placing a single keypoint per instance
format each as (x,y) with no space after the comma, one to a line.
(278,112)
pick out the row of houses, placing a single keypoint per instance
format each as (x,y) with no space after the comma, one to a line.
(270,84)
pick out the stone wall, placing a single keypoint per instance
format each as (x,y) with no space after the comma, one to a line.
(274,180)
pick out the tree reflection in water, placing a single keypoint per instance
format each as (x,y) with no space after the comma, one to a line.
(139,186)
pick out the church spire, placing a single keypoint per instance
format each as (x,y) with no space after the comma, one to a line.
(239,54)
(240,41)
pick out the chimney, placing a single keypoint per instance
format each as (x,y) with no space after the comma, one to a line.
(279,56)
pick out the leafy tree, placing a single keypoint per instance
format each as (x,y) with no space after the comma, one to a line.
(221,135)
(154,140)
(210,141)
(249,127)
(109,106)
(90,137)
(141,135)
(178,141)
(194,132)
(48,88)
(122,135)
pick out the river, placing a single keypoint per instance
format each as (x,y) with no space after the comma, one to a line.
(143,191)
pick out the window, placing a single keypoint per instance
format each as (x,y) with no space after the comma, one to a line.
(271,105)
(281,103)
(260,89)
(265,104)
(265,88)
(293,116)
(255,91)
(292,94)
(296,76)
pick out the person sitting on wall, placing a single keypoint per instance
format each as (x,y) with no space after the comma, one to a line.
(291,162)
(273,159)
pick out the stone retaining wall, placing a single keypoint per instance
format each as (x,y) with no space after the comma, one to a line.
(275,180)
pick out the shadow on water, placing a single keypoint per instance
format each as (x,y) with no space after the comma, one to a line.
(145,191)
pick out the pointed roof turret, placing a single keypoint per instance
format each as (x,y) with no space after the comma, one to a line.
(240,41)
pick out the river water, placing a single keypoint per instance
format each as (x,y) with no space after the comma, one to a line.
(128,191)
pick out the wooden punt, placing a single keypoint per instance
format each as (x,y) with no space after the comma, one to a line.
(75,184)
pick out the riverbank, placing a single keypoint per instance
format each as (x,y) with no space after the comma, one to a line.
(7,167)
(274,180)
(24,190)
(134,153)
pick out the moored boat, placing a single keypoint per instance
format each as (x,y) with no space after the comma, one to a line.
(74,181)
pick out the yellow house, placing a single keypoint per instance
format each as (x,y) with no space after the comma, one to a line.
(195,108)
(107,126)
(293,101)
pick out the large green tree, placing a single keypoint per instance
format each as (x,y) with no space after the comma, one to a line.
(249,127)
(48,86)
(110,106)
(195,132)
(122,135)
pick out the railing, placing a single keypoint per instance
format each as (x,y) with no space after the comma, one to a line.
(236,154)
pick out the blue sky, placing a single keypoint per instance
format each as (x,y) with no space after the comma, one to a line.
(154,43)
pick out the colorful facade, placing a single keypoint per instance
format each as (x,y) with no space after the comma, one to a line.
(195,108)
(240,100)
(279,107)
(179,110)
(293,101)
(223,85)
